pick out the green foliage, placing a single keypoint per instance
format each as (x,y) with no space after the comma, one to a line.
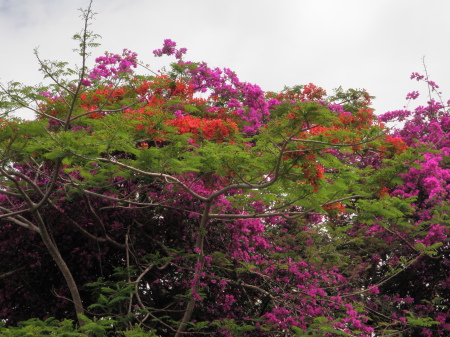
(351,99)
(236,329)
(112,294)
(420,321)
(321,327)
(215,213)
(103,327)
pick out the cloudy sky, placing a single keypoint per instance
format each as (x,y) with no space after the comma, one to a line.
(373,44)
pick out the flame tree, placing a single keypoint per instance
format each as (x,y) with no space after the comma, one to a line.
(188,202)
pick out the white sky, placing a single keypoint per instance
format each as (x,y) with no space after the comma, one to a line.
(373,44)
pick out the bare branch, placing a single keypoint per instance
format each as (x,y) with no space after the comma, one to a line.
(12,272)
(165,177)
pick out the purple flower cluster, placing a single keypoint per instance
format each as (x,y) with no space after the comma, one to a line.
(248,99)
(169,49)
(111,65)
(417,76)
(396,115)
(47,94)
(336,108)
(412,95)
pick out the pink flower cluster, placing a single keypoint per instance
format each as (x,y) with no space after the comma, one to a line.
(223,85)
(169,49)
(427,181)
(412,95)
(111,65)
(247,99)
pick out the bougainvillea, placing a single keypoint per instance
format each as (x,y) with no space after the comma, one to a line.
(188,202)
(421,239)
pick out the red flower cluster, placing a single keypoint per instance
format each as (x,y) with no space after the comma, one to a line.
(211,129)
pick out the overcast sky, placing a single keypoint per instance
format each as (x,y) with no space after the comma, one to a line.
(374,44)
